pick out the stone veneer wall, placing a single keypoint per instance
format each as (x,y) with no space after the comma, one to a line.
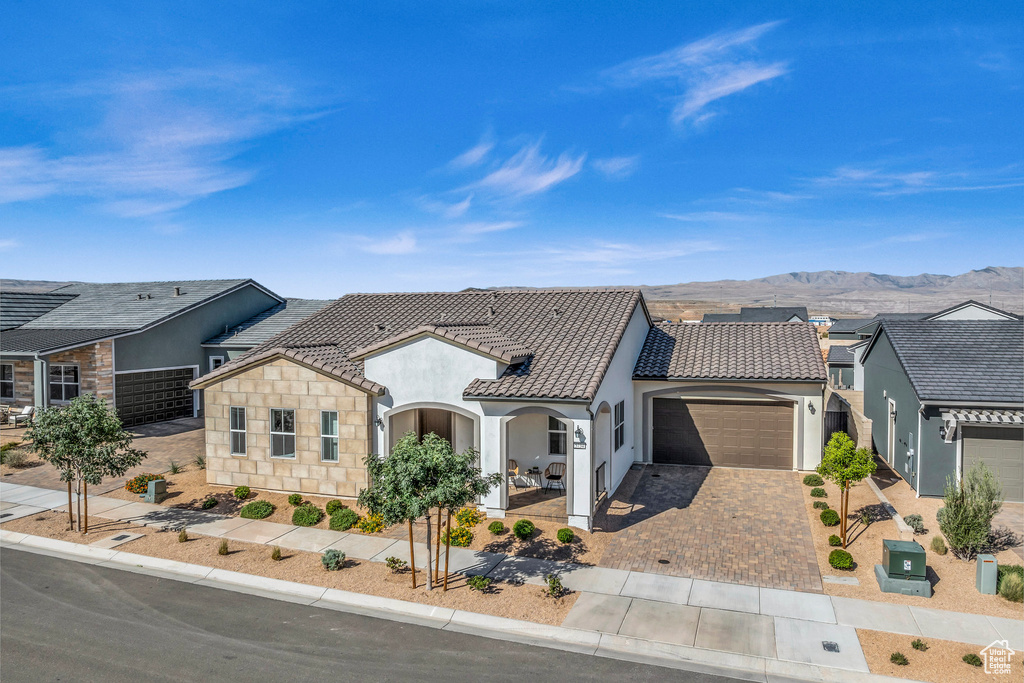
(284,384)
(24,381)
(95,373)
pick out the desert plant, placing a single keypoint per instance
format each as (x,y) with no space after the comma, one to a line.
(396,565)
(459,536)
(972,659)
(497,527)
(182,536)
(275,554)
(370,524)
(915,522)
(523,529)
(820,505)
(241,492)
(174,468)
(829,517)
(898,658)
(939,546)
(307,514)
(813,480)
(343,519)
(865,518)
(208,503)
(257,509)
(835,541)
(199,460)
(919,645)
(333,506)
(222,549)
(295,499)
(843,464)
(554,588)
(818,493)
(565,535)
(16,458)
(1010,582)
(140,483)
(333,560)
(478,583)
(469,517)
(840,559)
(970,505)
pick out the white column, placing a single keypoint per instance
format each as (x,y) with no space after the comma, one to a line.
(581,486)
(492,459)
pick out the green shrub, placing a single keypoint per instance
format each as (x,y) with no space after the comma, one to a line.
(140,483)
(199,461)
(970,505)
(370,524)
(565,535)
(820,505)
(333,506)
(460,536)
(257,509)
(307,514)
(222,549)
(972,659)
(275,554)
(523,529)
(396,565)
(174,468)
(182,536)
(865,518)
(242,492)
(333,560)
(10,445)
(16,457)
(208,503)
(915,522)
(496,528)
(479,583)
(834,540)
(295,499)
(898,658)
(938,545)
(343,519)
(919,645)
(554,589)
(818,493)
(813,480)
(1011,584)
(840,559)
(829,517)
(469,517)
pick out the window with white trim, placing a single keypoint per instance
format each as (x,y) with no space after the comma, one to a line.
(237,427)
(620,424)
(282,433)
(7,380)
(63,382)
(216,362)
(557,437)
(329,435)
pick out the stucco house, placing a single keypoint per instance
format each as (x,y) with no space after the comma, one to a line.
(760,314)
(577,378)
(840,366)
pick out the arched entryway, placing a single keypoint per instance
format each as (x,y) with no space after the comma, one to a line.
(459,427)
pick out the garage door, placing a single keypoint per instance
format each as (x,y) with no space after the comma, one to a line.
(153,396)
(1002,450)
(723,433)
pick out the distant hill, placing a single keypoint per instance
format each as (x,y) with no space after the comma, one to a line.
(34,286)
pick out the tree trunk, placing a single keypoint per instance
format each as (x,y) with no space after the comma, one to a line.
(447,549)
(85,485)
(78,494)
(437,552)
(844,505)
(430,575)
(412,557)
(71,510)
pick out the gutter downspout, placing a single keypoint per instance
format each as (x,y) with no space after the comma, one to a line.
(920,459)
(593,502)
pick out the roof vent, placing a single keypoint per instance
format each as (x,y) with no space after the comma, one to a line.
(379,327)
(149,296)
(138,297)
(555,312)
(177,291)
(490,311)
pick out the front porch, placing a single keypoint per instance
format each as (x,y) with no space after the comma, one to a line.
(535,503)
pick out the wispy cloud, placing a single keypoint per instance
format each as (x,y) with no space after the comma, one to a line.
(7,245)
(706,216)
(603,253)
(617,168)
(528,172)
(446,209)
(397,245)
(483,228)
(474,155)
(881,182)
(707,70)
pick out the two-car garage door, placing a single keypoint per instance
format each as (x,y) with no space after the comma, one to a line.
(1002,451)
(153,396)
(723,433)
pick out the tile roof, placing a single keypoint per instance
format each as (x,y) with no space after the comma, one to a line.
(36,340)
(17,308)
(572,334)
(759,314)
(840,355)
(747,351)
(482,338)
(960,360)
(265,325)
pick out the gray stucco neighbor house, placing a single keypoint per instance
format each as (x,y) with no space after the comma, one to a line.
(840,366)
(760,314)
(944,394)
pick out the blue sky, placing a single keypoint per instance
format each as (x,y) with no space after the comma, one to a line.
(323,148)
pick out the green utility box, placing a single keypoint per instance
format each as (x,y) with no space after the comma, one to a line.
(986,575)
(903,560)
(156,491)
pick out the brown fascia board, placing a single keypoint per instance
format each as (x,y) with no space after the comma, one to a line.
(294,355)
(442,333)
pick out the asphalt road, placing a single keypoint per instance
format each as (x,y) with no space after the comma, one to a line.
(66,621)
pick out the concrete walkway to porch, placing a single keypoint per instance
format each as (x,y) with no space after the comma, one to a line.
(745,621)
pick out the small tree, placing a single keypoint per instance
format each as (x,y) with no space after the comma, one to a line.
(844,464)
(970,505)
(86,442)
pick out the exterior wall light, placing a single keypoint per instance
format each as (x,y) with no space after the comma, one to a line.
(379,422)
(810,407)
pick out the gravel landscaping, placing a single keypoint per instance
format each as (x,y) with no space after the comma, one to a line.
(941,662)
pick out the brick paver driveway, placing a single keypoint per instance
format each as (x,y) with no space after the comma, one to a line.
(720,524)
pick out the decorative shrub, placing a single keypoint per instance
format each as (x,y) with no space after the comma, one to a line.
(370,524)
(182,536)
(469,517)
(208,503)
(199,461)
(461,536)
(258,509)
(939,546)
(523,529)
(13,456)
(919,645)
(222,549)
(840,559)
(555,589)
(898,658)
(970,505)
(333,560)
(813,480)
(818,493)
(479,583)
(139,484)
(295,499)
(915,522)
(343,519)
(333,506)
(242,492)
(275,554)
(865,518)
(496,528)
(565,535)
(1010,583)
(174,468)
(834,540)
(307,514)
(972,659)
(396,565)
(820,505)
(829,517)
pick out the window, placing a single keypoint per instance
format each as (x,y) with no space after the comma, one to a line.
(329,435)
(63,382)
(620,424)
(556,437)
(7,380)
(216,362)
(237,431)
(282,433)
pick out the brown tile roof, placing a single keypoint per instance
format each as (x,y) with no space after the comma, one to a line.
(749,351)
(482,338)
(571,334)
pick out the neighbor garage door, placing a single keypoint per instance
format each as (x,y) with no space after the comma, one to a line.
(1002,450)
(153,396)
(723,433)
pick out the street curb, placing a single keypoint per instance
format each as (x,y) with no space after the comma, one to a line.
(472,623)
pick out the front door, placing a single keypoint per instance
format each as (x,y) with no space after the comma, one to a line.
(437,421)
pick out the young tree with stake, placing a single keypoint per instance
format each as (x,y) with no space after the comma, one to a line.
(844,464)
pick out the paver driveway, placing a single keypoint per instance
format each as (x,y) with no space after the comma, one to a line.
(720,524)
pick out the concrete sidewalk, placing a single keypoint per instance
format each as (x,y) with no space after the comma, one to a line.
(726,617)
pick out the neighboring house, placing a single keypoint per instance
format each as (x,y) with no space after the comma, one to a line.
(861,329)
(821,320)
(233,341)
(136,345)
(782,314)
(542,377)
(840,367)
(944,394)
(846,328)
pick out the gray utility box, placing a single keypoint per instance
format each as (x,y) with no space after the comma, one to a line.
(985,576)
(156,491)
(903,560)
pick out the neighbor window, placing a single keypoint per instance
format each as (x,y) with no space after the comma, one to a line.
(7,380)
(216,362)
(329,435)
(620,424)
(556,437)
(63,382)
(237,431)
(282,433)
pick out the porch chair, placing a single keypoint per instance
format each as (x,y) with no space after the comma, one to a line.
(24,416)
(513,472)
(554,474)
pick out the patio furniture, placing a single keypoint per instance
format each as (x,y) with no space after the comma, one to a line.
(513,472)
(5,414)
(533,475)
(24,416)
(554,475)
